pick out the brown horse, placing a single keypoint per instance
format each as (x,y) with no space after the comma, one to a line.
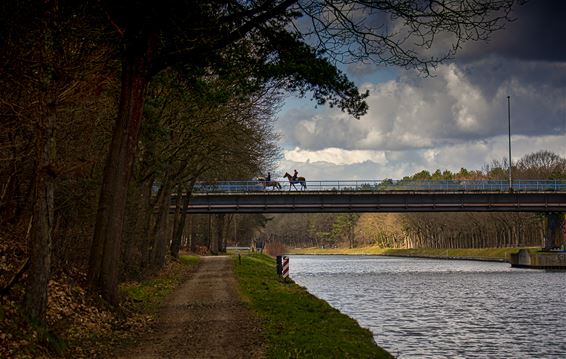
(292,181)
(273,184)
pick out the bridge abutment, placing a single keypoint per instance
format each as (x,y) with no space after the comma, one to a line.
(553,255)
(555,228)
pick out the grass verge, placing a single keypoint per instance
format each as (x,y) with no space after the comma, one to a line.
(296,323)
(475,253)
(146,296)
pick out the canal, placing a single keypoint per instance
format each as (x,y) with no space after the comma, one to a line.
(426,308)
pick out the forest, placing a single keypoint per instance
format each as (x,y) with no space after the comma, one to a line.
(109,107)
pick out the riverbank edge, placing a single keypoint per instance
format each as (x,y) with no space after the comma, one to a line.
(500,255)
(297,323)
(478,259)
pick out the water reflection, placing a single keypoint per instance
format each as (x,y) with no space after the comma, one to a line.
(421,308)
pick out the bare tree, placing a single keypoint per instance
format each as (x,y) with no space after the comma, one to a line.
(401,33)
(541,165)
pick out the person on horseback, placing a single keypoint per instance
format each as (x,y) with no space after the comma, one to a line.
(294,179)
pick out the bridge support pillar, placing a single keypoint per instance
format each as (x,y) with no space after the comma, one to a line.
(555,230)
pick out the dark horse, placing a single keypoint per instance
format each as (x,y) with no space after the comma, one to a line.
(266,183)
(292,181)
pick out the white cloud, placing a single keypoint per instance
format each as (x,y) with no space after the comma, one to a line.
(334,163)
(335,156)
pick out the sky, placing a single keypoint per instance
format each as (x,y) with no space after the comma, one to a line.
(458,117)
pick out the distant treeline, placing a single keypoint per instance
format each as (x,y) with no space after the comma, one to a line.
(428,230)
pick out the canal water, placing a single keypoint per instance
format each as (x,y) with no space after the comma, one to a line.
(425,308)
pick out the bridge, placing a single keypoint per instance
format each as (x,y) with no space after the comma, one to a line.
(379,196)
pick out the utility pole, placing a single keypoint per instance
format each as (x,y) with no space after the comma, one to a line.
(509,122)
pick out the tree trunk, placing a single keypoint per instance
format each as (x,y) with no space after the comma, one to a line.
(212,247)
(147,212)
(192,242)
(220,224)
(176,219)
(351,237)
(178,229)
(35,302)
(141,42)
(159,233)
(40,240)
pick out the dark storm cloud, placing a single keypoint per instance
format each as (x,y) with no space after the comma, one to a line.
(537,90)
(538,34)
(490,72)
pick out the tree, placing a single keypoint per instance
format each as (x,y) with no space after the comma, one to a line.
(50,54)
(344,226)
(214,126)
(463,174)
(151,43)
(541,165)
(156,36)
(422,175)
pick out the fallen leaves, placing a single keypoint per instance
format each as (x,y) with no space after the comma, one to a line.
(80,324)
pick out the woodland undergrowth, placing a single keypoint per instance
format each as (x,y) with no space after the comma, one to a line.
(79,324)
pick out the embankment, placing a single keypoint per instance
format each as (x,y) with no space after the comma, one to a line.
(297,324)
(486,254)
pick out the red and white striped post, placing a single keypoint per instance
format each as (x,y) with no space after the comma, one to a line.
(285,272)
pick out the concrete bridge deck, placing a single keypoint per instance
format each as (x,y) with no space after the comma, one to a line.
(376,201)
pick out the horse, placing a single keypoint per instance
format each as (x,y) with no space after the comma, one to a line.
(273,184)
(292,181)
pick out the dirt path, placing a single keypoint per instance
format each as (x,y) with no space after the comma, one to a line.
(204,318)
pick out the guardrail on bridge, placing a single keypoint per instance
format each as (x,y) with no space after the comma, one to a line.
(383,185)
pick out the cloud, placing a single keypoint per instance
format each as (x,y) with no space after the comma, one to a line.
(335,156)
(397,164)
(462,103)
(456,118)
(532,36)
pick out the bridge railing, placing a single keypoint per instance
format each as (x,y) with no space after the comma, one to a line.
(383,185)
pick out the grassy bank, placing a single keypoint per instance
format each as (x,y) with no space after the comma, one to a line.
(475,253)
(297,324)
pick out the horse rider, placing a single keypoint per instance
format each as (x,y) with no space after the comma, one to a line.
(295,175)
